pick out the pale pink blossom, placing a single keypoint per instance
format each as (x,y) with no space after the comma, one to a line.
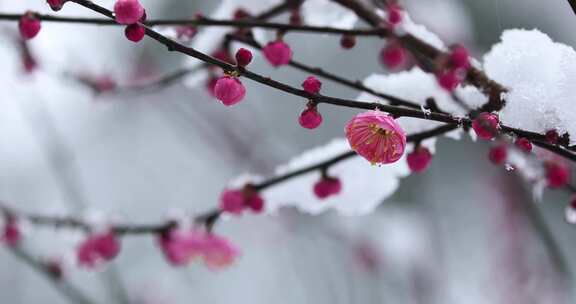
(218,252)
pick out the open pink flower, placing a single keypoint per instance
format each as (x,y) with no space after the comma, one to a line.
(218,252)
(180,247)
(128,11)
(277,53)
(376,136)
(229,90)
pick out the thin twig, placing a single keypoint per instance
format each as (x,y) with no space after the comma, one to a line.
(206,22)
(70,292)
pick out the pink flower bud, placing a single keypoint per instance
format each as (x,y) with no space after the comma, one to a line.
(312,85)
(310,118)
(498,154)
(229,90)
(98,248)
(394,14)
(347,42)
(223,55)
(327,187)
(134,32)
(28,61)
(419,159)
(255,202)
(295,17)
(186,32)
(277,53)
(56,5)
(240,13)
(29,25)
(376,136)
(448,79)
(486,125)
(243,57)
(232,201)
(11,233)
(459,57)
(557,174)
(523,144)
(128,11)
(393,56)
(54,268)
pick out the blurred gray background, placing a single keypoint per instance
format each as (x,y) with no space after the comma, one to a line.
(463,232)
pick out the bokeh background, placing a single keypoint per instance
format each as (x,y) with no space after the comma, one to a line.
(463,232)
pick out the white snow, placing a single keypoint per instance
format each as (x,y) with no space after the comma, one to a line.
(540,75)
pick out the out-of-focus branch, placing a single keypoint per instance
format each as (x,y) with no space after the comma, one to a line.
(70,292)
(209,218)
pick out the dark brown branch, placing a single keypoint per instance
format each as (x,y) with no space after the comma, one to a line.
(475,76)
(573,5)
(394,110)
(209,218)
(357,85)
(204,22)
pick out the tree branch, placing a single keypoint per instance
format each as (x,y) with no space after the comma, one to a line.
(70,292)
(205,22)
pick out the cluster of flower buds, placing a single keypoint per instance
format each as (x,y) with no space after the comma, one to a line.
(454,68)
(98,248)
(235,201)
(131,13)
(310,118)
(228,88)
